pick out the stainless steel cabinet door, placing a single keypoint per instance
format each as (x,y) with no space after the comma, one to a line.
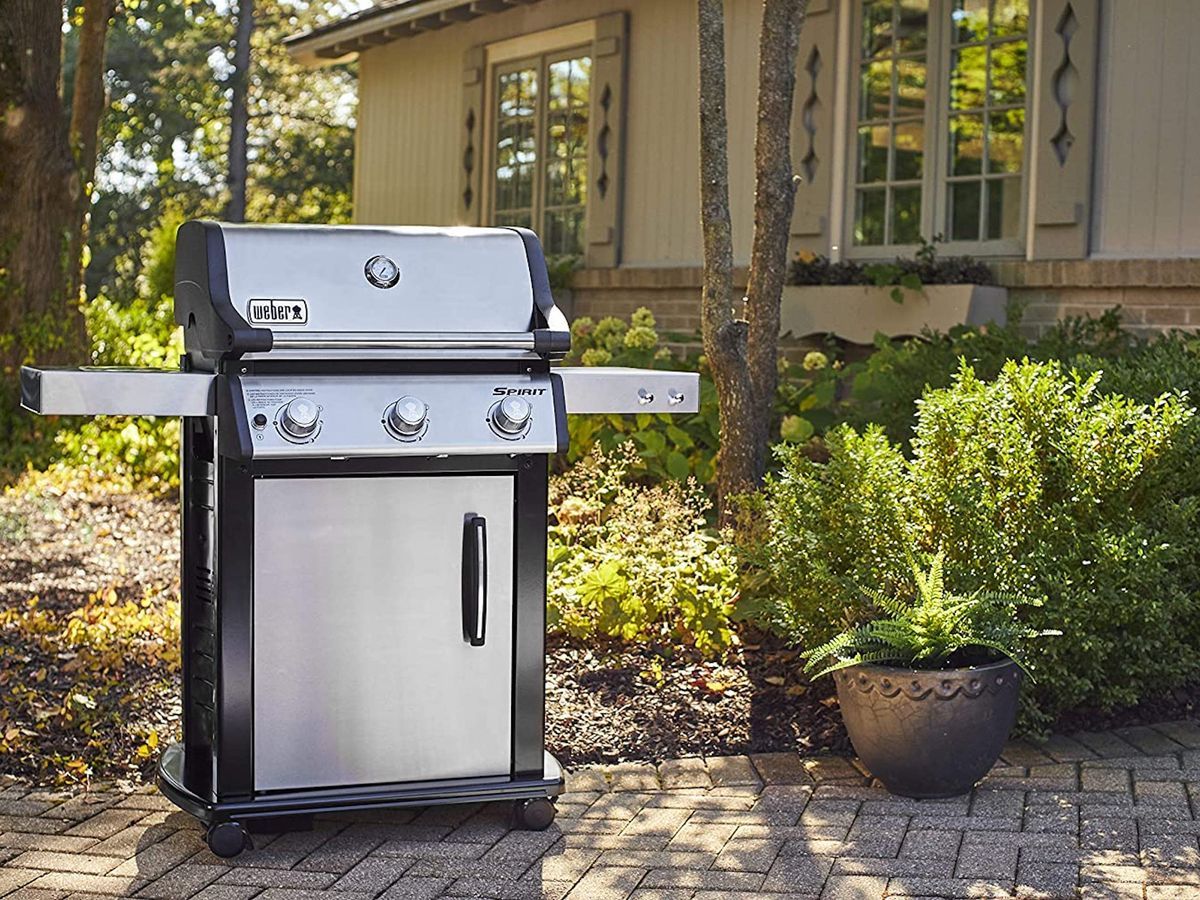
(362,674)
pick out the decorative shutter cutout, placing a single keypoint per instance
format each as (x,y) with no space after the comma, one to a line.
(609,52)
(812,128)
(472,156)
(1065,107)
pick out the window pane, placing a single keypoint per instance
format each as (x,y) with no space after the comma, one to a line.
(1006,140)
(515,149)
(906,215)
(968,77)
(910,87)
(1004,207)
(1008,73)
(876,90)
(970,18)
(872,153)
(966,145)
(567,131)
(909,144)
(964,210)
(1010,17)
(876,28)
(868,216)
(565,151)
(913,27)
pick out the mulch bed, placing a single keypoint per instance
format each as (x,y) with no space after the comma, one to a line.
(606,701)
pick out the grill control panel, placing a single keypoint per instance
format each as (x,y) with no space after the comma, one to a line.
(400,415)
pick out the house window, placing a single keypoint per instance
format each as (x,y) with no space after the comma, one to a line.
(540,155)
(939,121)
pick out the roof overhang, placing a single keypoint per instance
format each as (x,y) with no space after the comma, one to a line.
(390,20)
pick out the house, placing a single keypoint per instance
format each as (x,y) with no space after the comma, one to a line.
(1059,139)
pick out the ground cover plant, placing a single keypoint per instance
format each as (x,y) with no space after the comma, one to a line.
(1036,483)
(636,561)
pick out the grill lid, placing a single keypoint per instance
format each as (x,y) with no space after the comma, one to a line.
(256,288)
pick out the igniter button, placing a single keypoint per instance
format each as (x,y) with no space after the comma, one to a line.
(259,421)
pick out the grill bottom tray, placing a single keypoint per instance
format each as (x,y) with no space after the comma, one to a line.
(312,802)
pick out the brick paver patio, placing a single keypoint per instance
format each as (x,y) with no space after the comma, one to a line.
(1105,815)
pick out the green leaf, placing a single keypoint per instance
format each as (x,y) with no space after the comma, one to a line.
(677,465)
(795,429)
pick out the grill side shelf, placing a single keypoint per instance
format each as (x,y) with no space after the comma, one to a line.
(602,389)
(89,391)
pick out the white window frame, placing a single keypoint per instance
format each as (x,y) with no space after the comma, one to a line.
(934,190)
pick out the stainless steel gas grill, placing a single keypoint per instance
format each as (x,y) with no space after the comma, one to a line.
(367,415)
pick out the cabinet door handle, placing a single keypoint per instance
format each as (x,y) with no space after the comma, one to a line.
(474,579)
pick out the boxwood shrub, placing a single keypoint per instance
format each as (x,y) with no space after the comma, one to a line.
(1037,482)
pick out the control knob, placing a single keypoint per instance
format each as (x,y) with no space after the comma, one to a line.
(511,415)
(407,415)
(299,418)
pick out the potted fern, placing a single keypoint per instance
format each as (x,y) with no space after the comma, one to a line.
(929,691)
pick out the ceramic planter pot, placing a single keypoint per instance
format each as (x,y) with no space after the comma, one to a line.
(929,734)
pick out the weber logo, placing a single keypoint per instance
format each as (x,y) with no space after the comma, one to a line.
(519,392)
(278,312)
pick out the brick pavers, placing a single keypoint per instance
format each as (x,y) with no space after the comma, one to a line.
(1088,816)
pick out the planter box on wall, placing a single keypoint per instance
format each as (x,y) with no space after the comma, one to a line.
(856,313)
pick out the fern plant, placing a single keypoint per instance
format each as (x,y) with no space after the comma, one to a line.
(932,629)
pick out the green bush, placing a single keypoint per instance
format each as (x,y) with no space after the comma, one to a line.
(672,446)
(127,452)
(1035,484)
(635,562)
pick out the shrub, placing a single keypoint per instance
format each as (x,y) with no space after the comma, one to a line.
(634,561)
(125,452)
(1035,484)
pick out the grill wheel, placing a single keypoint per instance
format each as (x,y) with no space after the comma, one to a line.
(533,815)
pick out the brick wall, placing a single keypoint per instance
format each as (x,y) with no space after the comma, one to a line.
(672,294)
(1154,295)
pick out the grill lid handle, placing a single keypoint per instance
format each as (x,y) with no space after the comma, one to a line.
(474,579)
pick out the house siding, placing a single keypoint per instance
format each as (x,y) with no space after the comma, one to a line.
(1147,180)
(409,128)
(1144,165)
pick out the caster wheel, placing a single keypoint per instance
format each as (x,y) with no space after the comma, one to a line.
(535,814)
(226,839)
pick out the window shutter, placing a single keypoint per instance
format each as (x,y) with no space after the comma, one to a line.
(609,51)
(812,128)
(472,157)
(1067,34)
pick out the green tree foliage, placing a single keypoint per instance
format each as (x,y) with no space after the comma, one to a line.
(164,142)
(1035,484)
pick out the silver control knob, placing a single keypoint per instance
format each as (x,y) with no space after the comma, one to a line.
(407,415)
(299,418)
(511,415)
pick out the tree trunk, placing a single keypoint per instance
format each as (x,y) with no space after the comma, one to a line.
(87,105)
(238,118)
(774,201)
(724,334)
(40,188)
